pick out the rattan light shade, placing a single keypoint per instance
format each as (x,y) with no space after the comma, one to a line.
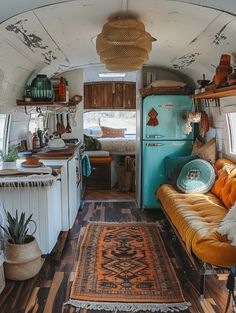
(123,44)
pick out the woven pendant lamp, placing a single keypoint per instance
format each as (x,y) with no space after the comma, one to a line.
(123,44)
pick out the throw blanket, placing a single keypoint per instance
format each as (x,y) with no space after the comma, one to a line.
(29,181)
(92,143)
(86,166)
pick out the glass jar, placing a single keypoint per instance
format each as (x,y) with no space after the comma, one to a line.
(41,88)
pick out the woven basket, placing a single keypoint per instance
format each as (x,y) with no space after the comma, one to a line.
(2,278)
(164,91)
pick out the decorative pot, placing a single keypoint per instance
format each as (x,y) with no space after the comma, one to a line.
(41,88)
(22,261)
(194,117)
(223,70)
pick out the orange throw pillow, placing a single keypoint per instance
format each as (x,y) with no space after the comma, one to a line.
(219,183)
(221,162)
(112,132)
(225,186)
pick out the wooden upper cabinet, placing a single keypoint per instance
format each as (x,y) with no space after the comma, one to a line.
(118,96)
(88,96)
(108,95)
(98,95)
(129,95)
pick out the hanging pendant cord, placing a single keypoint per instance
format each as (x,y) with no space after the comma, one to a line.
(230,285)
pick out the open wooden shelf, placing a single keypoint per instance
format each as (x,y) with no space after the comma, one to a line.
(72,102)
(217,93)
(35,103)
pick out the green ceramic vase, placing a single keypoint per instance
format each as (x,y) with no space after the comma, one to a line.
(41,88)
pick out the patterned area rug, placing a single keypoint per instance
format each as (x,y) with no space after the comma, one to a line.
(125,267)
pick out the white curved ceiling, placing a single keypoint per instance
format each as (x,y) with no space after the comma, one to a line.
(55,36)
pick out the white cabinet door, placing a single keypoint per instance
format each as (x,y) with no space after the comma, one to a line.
(72,180)
(64,190)
(54,214)
(45,205)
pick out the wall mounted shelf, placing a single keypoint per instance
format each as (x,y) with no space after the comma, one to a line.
(35,103)
(51,104)
(217,93)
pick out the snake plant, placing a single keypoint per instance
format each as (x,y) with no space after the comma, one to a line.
(17,228)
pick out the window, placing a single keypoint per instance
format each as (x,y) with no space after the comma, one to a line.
(231,117)
(115,119)
(4,131)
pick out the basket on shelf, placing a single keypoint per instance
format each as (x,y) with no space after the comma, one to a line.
(2,277)
(164,91)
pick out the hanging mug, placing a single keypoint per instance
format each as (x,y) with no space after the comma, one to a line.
(194,117)
(187,128)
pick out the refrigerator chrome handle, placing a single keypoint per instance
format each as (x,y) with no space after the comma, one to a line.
(154,144)
(154,136)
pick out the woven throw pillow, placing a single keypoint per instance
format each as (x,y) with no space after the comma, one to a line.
(197,176)
(205,151)
(112,132)
(174,165)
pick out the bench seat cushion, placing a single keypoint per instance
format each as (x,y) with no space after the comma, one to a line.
(98,153)
(196,218)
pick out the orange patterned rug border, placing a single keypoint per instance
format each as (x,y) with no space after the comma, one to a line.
(125,267)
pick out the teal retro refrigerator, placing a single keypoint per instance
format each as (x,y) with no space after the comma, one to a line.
(163,119)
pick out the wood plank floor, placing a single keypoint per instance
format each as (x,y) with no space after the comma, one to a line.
(47,292)
(113,194)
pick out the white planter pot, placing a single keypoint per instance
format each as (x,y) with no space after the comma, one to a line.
(8,165)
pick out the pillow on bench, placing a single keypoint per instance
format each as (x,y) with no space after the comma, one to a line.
(205,151)
(225,186)
(197,176)
(108,132)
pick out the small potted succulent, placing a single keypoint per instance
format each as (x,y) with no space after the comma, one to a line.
(22,253)
(9,158)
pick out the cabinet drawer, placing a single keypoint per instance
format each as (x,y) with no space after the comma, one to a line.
(100,177)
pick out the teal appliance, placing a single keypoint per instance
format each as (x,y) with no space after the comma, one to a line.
(163,119)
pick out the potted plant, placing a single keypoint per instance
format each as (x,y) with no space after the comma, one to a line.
(9,158)
(22,253)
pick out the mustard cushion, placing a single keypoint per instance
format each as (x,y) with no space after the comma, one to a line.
(196,218)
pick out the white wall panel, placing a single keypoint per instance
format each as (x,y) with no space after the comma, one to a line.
(218,121)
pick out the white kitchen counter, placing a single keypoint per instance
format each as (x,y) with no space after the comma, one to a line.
(44,202)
